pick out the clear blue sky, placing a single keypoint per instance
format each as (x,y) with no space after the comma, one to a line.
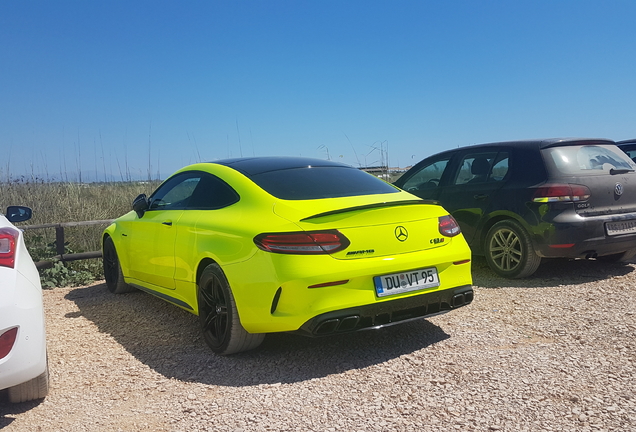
(139,86)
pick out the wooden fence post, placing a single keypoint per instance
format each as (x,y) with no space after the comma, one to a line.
(59,240)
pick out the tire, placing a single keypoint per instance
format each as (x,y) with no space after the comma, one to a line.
(509,251)
(618,257)
(112,269)
(37,388)
(218,315)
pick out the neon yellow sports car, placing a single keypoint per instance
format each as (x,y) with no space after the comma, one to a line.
(261,245)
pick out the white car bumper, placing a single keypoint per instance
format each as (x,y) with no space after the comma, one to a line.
(21,307)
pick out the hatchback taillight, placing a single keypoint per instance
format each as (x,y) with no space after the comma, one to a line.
(8,240)
(562,193)
(7,339)
(302,243)
(448,226)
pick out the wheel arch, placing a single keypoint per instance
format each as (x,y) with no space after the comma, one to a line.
(498,217)
(106,235)
(121,252)
(202,265)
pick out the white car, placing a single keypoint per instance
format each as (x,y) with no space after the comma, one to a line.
(23,362)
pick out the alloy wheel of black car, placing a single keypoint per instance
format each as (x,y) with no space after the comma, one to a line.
(112,269)
(218,316)
(509,250)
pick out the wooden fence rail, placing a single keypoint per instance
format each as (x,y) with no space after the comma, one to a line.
(59,242)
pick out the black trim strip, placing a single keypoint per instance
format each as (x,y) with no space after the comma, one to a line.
(387,313)
(372,206)
(163,296)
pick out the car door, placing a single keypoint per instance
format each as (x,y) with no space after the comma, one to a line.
(428,177)
(472,190)
(202,225)
(152,239)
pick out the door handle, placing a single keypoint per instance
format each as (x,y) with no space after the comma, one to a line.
(168,223)
(480,196)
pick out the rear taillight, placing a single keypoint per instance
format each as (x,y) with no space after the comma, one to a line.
(7,339)
(8,240)
(302,243)
(448,226)
(562,193)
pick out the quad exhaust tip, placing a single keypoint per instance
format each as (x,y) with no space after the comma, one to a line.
(361,320)
(338,325)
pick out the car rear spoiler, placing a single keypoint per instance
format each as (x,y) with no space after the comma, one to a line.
(372,206)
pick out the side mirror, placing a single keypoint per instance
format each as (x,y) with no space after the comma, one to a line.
(140,205)
(18,213)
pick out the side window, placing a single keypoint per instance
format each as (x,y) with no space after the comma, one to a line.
(500,167)
(212,193)
(175,193)
(631,153)
(475,168)
(427,177)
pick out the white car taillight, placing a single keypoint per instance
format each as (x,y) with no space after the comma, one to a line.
(8,241)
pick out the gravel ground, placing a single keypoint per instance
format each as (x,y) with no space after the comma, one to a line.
(554,352)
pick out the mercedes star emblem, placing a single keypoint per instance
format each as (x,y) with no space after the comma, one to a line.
(401,233)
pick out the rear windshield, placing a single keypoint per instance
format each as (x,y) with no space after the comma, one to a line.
(587,159)
(308,183)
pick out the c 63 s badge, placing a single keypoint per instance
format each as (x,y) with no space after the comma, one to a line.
(437,240)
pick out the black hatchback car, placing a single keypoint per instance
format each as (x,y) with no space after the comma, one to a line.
(517,202)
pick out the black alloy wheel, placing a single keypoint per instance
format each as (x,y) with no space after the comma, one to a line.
(218,315)
(112,269)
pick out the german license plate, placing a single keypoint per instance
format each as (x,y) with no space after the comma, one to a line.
(622,227)
(398,283)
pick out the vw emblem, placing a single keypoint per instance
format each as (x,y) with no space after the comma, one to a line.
(618,189)
(401,233)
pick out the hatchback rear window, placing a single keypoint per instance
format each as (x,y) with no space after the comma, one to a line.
(587,159)
(308,183)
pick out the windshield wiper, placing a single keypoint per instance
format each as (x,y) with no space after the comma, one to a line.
(620,170)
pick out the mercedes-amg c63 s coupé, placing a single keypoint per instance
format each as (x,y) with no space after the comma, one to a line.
(260,245)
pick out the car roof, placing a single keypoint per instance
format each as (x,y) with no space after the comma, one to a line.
(540,143)
(250,166)
(625,142)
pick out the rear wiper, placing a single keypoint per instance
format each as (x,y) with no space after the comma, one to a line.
(620,170)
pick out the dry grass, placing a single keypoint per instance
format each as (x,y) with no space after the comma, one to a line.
(71,202)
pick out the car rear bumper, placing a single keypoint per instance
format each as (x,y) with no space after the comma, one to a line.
(21,308)
(287,294)
(388,313)
(573,236)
